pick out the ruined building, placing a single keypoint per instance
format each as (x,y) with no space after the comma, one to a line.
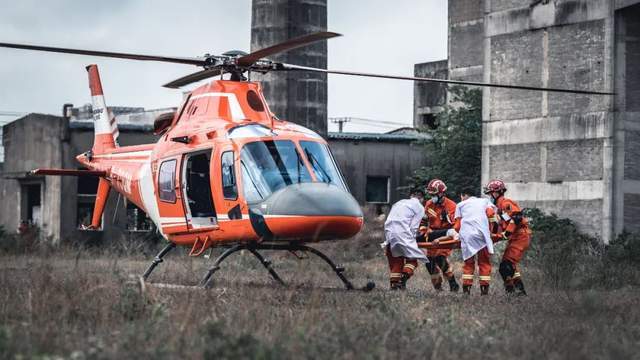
(299,97)
(573,155)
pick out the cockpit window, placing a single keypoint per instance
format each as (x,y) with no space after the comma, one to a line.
(268,166)
(322,163)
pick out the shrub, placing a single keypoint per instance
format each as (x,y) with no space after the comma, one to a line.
(625,249)
(571,259)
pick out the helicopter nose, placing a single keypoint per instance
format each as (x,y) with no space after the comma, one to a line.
(311,212)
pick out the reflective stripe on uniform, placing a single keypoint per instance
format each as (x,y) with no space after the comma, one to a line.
(395,275)
(432,212)
(485,278)
(516,275)
(410,266)
(467,276)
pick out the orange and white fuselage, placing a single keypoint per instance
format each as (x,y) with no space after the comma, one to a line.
(225,171)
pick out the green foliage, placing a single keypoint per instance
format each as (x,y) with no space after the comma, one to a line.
(455,147)
(571,259)
(559,249)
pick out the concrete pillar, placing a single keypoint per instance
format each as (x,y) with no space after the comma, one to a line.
(298,97)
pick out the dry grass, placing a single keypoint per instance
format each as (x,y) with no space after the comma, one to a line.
(78,305)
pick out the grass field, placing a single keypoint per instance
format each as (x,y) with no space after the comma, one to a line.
(73,304)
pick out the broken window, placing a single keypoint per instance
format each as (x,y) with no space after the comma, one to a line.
(137,219)
(86,199)
(31,198)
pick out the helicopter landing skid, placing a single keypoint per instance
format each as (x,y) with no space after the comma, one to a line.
(253,248)
(158,259)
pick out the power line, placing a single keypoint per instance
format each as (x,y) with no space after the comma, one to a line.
(363,120)
(11,113)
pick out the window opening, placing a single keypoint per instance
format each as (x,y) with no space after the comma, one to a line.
(377,190)
(85,200)
(137,219)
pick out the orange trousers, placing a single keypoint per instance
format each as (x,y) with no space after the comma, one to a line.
(484,268)
(398,266)
(517,245)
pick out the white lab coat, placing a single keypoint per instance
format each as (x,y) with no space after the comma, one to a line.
(401,228)
(474,228)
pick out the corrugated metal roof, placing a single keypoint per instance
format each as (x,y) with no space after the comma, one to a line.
(377,137)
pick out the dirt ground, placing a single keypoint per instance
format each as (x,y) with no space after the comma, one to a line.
(82,306)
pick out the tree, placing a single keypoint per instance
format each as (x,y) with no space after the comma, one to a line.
(455,147)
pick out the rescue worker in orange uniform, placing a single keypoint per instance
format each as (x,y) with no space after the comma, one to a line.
(439,213)
(516,230)
(400,230)
(473,216)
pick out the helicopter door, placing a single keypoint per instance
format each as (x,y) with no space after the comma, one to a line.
(196,184)
(170,207)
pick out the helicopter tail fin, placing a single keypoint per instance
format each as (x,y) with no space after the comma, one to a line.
(104,122)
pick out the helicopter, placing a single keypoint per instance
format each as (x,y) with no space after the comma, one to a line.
(226,171)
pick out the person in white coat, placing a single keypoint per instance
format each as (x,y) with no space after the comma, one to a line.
(472,223)
(400,230)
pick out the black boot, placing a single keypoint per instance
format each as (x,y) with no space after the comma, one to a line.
(484,289)
(403,281)
(509,288)
(466,289)
(453,285)
(395,285)
(520,287)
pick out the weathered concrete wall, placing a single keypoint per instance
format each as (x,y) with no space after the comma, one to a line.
(31,142)
(359,159)
(466,25)
(553,150)
(299,97)
(632,212)
(428,98)
(628,117)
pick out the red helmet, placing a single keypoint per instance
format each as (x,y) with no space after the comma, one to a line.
(495,185)
(436,186)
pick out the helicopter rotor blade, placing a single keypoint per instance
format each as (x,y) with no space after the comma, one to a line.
(170,59)
(251,58)
(193,77)
(285,67)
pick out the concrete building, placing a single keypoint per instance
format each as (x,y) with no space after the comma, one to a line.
(429,98)
(574,155)
(299,97)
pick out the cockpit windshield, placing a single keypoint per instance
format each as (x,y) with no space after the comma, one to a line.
(322,163)
(268,166)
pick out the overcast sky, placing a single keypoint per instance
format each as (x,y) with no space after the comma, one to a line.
(379,36)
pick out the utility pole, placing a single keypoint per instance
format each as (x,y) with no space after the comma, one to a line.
(340,121)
